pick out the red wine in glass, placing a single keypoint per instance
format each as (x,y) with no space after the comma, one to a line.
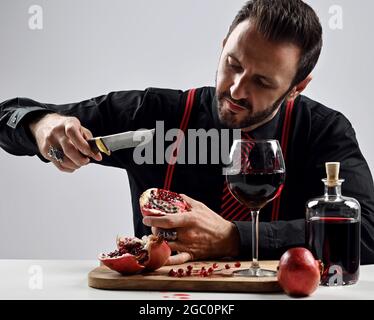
(256,189)
(256,177)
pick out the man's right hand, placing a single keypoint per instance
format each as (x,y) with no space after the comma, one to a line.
(66,134)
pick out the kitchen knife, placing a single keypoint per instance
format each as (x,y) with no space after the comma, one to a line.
(125,140)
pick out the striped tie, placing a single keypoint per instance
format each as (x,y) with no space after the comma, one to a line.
(232,209)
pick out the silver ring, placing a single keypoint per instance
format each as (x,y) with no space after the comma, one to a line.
(168,235)
(56,154)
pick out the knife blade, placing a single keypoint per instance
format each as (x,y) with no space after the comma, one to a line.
(125,140)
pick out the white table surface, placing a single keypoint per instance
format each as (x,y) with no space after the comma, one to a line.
(67,280)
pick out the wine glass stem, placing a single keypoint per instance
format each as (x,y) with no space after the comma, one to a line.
(255,264)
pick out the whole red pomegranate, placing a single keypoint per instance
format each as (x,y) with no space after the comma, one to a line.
(135,255)
(159,202)
(299,274)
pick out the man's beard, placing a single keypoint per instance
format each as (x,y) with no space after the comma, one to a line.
(229,120)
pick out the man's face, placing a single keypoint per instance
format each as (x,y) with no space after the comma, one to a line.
(253,78)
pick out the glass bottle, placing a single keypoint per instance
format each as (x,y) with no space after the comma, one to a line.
(333,231)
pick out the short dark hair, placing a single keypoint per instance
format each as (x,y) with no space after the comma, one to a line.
(286,21)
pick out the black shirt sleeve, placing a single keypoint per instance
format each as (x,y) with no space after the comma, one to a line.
(274,237)
(104,115)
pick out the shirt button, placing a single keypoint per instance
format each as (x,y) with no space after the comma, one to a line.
(14,119)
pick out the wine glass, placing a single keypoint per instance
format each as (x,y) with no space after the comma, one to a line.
(255,177)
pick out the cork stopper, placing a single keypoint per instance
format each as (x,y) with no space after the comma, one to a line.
(332,171)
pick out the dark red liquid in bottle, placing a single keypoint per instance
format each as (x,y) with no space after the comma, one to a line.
(336,241)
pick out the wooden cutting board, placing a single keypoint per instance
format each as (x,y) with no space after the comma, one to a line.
(222,279)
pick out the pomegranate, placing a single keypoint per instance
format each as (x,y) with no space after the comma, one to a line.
(159,202)
(299,273)
(135,255)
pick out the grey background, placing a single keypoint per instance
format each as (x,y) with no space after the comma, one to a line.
(91,47)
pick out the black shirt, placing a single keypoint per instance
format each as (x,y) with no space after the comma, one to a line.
(317,135)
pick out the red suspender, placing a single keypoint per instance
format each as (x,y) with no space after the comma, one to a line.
(183,127)
(284,145)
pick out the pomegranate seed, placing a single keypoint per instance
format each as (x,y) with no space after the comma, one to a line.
(189,268)
(215,265)
(202,268)
(238,264)
(205,274)
(180,275)
(188,273)
(172,273)
(227,266)
(180,271)
(210,270)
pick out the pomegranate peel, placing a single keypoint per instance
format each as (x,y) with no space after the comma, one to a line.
(135,255)
(299,274)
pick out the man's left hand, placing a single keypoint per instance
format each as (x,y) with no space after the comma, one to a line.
(202,233)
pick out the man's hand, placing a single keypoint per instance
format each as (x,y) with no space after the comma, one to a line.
(202,234)
(67,134)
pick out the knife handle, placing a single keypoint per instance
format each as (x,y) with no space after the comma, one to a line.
(98,146)
(93,145)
